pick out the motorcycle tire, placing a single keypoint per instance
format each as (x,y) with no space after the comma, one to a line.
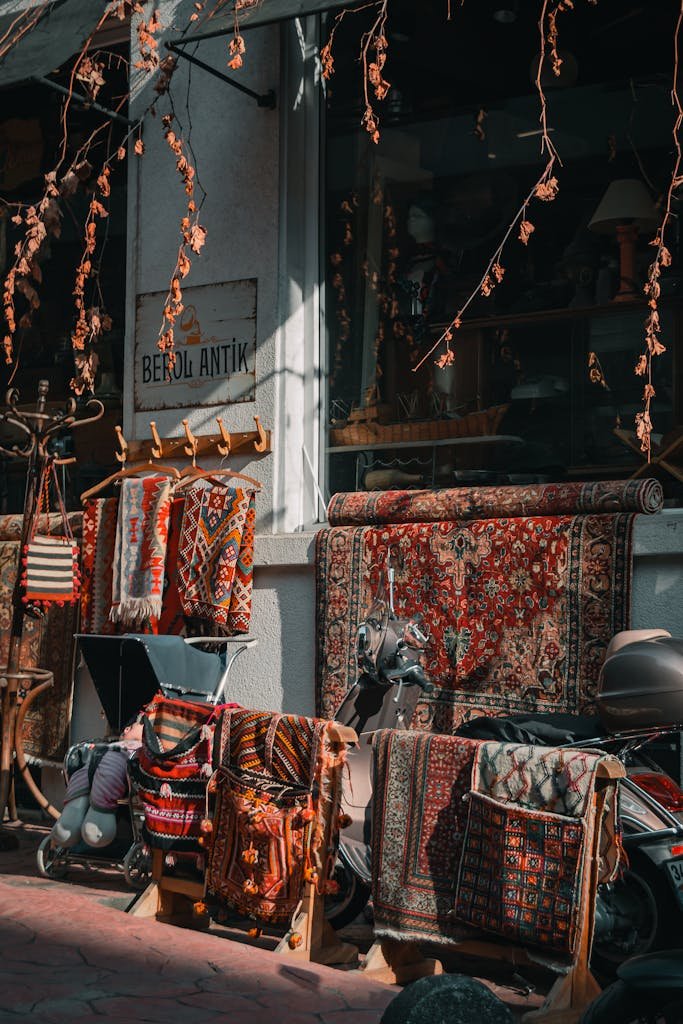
(644,897)
(620,1004)
(342,908)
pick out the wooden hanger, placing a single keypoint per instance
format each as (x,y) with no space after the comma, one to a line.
(195,472)
(132,471)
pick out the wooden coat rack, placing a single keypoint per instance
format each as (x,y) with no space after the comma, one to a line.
(241,442)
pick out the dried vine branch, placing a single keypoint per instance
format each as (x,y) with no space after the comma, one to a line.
(653,346)
(544,189)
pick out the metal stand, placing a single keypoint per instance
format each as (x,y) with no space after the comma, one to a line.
(39,428)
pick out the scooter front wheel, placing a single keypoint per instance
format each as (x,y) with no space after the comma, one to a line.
(51,860)
(351,899)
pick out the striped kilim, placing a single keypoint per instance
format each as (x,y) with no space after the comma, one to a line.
(276,817)
(97,560)
(140,549)
(215,557)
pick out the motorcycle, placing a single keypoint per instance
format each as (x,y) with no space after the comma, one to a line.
(648,990)
(641,685)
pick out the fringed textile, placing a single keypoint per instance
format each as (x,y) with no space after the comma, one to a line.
(97,561)
(140,549)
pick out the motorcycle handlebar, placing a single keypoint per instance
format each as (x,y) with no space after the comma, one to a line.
(411,674)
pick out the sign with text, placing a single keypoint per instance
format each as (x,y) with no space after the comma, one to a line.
(215,348)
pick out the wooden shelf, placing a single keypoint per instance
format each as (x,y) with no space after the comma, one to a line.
(442,442)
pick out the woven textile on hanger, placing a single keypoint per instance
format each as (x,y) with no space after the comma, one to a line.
(172,620)
(172,769)
(97,562)
(460,504)
(524,852)
(46,643)
(278,787)
(215,560)
(520,610)
(140,549)
(418,825)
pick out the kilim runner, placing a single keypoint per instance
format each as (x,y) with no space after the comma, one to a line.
(140,549)
(97,561)
(215,558)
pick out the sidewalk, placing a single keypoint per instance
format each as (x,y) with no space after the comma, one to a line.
(66,957)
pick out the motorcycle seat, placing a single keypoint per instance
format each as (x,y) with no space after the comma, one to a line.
(658,971)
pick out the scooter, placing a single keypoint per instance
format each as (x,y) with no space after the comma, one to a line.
(641,687)
(648,990)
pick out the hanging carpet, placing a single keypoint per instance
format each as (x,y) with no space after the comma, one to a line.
(97,561)
(524,852)
(520,610)
(140,549)
(419,820)
(215,559)
(275,827)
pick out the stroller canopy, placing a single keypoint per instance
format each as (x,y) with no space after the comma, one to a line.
(128,670)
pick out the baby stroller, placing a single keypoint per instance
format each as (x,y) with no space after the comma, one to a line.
(127,672)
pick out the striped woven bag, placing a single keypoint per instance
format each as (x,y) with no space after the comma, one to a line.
(51,573)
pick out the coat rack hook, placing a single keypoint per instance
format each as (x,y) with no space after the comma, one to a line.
(192,443)
(224,448)
(157,448)
(123,444)
(262,443)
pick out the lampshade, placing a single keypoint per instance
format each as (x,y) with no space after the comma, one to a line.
(626,201)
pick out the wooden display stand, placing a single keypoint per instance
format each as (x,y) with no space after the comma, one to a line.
(396,963)
(172,900)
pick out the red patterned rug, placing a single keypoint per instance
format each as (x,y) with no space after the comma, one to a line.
(419,818)
(97,560)
(520,610)
(456,504)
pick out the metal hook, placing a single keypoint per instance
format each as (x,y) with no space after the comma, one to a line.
(123,454)
(157,448)
(224,448)
(192,443)
(262,443)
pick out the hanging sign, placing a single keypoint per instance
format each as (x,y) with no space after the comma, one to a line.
(215,348)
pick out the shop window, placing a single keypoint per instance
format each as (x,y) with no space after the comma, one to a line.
(411,223)
(30,143)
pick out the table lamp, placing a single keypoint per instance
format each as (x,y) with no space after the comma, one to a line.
(626,209)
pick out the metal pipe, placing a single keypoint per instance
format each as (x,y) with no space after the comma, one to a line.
(266,100)
(84,101)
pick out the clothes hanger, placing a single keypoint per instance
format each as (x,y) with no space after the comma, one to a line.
(195,472)
(130,471)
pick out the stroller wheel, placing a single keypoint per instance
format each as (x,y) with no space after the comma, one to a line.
(52,861)
(137,867)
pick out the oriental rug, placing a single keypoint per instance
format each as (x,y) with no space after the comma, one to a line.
(140,549)
(97,561)
(276,819)
(419,819)
(47,643)
(215,559)
(458,504)
(520,610)
(524,851)
(172,620)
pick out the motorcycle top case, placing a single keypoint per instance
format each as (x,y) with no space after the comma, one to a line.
(641,685)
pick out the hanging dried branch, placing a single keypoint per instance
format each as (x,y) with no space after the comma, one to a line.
(545,189)
(653,346)
(193,238)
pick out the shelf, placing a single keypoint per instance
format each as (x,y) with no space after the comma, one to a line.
(442,442)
